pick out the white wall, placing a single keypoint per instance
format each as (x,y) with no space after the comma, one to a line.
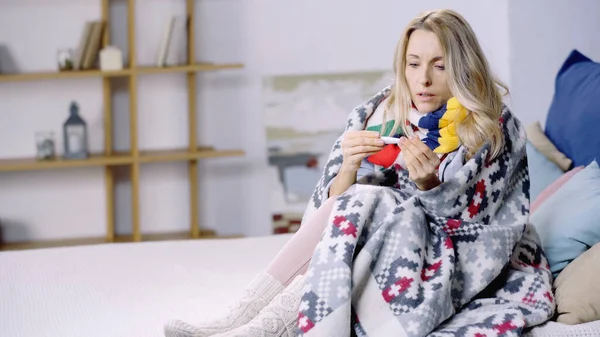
(270,37)
(542,34)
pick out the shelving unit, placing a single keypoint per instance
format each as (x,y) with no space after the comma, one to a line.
(198,67)
(134,158)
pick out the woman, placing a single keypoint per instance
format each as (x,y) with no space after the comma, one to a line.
(444,107)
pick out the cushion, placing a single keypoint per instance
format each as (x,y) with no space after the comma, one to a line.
(542,172)
(568,222)
(574,115)
(550,190)
(538,138)
(577,289)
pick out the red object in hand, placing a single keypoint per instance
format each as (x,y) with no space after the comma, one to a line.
(386,156)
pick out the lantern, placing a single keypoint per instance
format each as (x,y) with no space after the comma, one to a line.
(75,135)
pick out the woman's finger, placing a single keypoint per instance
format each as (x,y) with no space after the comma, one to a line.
(414,154)
(364,141)
(363,134)
(413,171)
(422,153)
(410,158)
(357,158)
(422,147)
(366,149)
(353,138)
(425,155)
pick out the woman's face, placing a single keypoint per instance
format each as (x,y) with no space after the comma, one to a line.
(425,72)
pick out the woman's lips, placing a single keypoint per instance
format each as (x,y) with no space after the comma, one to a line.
(425,96)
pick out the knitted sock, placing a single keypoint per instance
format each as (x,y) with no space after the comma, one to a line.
(258,294)
(279,318)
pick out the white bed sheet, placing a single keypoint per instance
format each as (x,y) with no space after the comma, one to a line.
(125,290)
(131,290)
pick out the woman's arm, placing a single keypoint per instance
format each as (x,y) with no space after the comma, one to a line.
(342,182)
(348,177)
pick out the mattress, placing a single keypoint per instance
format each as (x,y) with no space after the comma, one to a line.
(125,289)
(132,289)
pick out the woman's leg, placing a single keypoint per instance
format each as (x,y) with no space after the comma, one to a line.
(288,267)
(291,261)
(295,256)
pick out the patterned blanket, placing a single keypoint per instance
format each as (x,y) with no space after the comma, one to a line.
(458,260)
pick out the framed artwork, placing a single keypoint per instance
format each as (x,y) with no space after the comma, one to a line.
(304,115)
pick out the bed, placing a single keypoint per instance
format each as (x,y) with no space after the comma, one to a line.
(125,289)
(132,289)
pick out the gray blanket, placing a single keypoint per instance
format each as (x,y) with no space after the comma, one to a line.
(458,260)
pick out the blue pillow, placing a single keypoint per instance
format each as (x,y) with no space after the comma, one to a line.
(573,121)
(542,172)
(568,222)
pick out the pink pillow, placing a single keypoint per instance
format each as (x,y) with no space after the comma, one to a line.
(550,190)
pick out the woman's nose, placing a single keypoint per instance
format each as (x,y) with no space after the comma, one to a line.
(425,79)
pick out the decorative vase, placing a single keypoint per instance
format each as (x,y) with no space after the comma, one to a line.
(75,135)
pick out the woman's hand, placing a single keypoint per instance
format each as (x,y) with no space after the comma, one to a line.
(421,162)
(356,146)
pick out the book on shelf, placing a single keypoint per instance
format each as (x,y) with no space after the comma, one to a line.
(86,54)
(173,45)
(83,40)
(93,49)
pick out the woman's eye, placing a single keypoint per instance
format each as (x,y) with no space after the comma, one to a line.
(440,67)
(413,65)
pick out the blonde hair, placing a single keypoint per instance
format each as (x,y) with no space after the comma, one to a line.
(469,79)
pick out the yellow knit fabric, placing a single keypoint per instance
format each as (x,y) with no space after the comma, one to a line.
(455,113)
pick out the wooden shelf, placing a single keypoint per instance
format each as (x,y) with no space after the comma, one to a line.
(170,236)
(185,155)
(30,164)
(56,75)
(117,159)
(188,68)
(62,75)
